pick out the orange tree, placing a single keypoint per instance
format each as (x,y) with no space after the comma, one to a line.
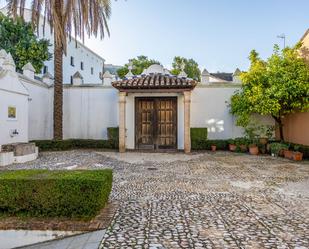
(275,87)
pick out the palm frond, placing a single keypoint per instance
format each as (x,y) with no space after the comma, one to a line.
(66,17)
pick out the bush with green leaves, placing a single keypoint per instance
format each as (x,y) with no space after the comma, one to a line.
(276,148)
(18,38)
(113,136)
(189,66)
(139,64)
(44,193)
(70,144)
(198,137)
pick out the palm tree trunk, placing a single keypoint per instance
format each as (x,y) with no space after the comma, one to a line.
(58,88)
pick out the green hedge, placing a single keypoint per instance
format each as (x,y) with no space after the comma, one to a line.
(206,144)
(198,137)
(44,193)
(59,145)
(69,144)
(113,136)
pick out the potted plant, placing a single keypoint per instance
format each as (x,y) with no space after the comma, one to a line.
(297,155)
(287,153)
(266,133)
(242,144)
(253,149)
(213,147)
(250,132)
(232,145)
(277,148)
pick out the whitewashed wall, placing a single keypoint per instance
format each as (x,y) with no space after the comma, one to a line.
(40,109)
(209,108)
(13,94)
(88,111)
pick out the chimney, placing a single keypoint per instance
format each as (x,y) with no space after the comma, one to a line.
(205,77)
(107,78)
(236,76)
(28,70)
(9,63)
(3,55)
(48,79)
(77,79)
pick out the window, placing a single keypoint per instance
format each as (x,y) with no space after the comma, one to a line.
(92,70)
(82,65)
(71,80)
(12,112)
(72,61)
(45,69)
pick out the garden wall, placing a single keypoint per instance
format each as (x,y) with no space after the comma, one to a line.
(209,108)
(296,128)
(90,109)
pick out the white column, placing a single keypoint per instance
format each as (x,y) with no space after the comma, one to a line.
(122,121)
(187,136)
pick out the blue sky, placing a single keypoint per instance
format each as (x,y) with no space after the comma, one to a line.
(218,34)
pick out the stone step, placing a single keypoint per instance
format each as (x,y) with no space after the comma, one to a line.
(19,149)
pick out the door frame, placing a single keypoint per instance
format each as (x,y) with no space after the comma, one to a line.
(136,99)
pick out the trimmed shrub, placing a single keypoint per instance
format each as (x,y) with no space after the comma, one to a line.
(113,136)
(43,193)
(206,144)
(59,145)
(198,137)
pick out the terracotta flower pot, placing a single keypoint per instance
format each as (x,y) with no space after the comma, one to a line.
(243,148)
(232,147)
(297,156)
(281,153)
(288,154)
(253,150)
(263,140)
(213,148)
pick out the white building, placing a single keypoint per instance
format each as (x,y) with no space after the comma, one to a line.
(79,58)
(14,113)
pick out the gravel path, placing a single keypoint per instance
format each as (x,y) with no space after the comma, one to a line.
(202,200)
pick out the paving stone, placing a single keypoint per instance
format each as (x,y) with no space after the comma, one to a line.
(203,200)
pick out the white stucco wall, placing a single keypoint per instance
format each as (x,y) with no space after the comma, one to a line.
(209,109)
(88,111)
(40,109)
(13,94)
(130,117)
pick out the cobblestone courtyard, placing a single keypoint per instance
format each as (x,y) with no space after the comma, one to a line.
(202,200)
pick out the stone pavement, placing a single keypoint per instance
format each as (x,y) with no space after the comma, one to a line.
(202,200)
(90,240)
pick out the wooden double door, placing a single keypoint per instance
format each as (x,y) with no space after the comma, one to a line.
(156,123)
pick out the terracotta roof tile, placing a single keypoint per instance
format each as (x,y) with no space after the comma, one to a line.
(155,81)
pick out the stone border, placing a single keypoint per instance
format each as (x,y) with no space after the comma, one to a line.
(101,221)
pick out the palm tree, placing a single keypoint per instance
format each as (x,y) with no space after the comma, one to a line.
(65,17)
